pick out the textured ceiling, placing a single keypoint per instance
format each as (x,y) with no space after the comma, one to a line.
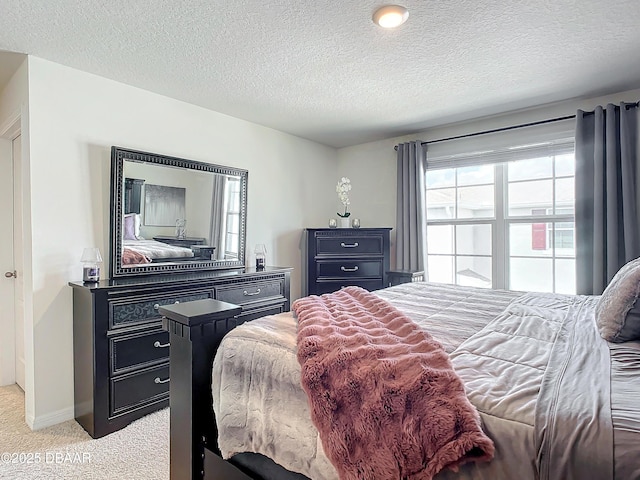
(323,71)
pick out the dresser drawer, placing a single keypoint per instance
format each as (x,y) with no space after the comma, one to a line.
(131,310)
(346,268)
(251,292)
(322,286)
(138,349)
(350,245)
(140,388)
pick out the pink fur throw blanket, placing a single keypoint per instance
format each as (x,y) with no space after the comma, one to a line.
(383,393)
(131,257)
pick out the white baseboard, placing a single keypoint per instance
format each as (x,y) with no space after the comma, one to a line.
(50,419)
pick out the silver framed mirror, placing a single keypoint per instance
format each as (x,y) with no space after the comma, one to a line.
(173,215)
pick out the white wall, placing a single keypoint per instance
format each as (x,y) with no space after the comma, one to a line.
(75,118)
(372,166)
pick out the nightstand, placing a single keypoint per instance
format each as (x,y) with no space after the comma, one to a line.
(396,277)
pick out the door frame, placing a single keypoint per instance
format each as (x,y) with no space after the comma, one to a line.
(16,251)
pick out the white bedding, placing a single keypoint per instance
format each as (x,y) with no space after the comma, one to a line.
(533,364)
(263,352)
(155,250)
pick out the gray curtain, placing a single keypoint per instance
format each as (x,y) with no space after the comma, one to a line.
(607,198)
(411,229)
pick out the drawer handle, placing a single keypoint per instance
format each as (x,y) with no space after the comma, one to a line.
(349,245)
(157,344)
(157,380)
(157,305)
(345,269)
(249,294)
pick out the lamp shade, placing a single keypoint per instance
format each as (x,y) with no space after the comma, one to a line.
(91,255)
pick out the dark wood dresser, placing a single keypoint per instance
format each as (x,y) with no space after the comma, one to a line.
(180,242)
(339,257)
(121,352)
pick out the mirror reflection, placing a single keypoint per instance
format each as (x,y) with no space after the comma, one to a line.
(178,215)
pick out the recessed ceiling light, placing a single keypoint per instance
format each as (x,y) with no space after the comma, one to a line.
(390,16)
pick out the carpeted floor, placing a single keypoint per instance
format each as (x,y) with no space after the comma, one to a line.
(66,451)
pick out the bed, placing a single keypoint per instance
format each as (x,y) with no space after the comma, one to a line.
(147,251)
(556,399)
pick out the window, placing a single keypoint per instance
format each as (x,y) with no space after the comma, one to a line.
(232,220)
(460,225)
(503,224)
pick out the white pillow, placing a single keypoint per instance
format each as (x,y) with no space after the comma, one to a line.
(132,226)
(618,312)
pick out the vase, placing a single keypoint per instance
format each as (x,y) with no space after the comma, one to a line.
(181,228)
(344,222)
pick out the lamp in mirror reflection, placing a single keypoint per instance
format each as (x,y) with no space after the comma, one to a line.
(91,260)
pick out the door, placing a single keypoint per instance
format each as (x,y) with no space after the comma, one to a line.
(7,281)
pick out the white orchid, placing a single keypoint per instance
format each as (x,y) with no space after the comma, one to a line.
(343,188)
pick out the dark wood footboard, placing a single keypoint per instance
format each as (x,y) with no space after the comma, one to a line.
(196,330)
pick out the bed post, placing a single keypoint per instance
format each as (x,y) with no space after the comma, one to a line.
(195,331)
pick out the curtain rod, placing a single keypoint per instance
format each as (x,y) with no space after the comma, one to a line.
(503,129)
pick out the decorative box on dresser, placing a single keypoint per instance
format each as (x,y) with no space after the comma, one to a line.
(121,352)
(340,257)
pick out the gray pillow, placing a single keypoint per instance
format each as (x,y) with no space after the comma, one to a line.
(617,315)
